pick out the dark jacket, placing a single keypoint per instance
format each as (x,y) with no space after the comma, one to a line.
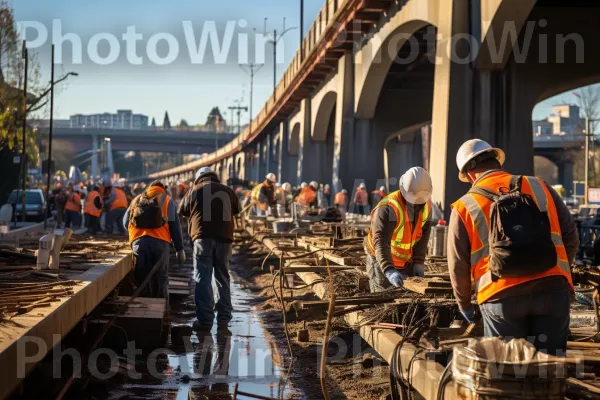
(268,191)
(209,208)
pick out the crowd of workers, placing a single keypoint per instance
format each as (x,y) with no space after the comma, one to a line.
(511,239)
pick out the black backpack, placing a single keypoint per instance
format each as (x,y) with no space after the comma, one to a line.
(146,211)
(520,238)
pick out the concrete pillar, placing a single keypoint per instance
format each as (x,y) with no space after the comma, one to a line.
(305,169)
(95,149)
(368,157)
(344,165)
(565,175)
(287,163)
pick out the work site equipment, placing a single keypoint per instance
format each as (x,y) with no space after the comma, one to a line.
(415,186)
(471,149)
(493,369)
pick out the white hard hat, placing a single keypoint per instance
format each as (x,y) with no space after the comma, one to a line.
(471,149)
(278,185)
(314,185)
(415,185)
(362,186)
(271,177)
(287,187)
(203,171)
(327,187)
(344,191)
(382,188)
(303,185)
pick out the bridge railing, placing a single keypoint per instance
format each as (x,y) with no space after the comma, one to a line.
(322,24)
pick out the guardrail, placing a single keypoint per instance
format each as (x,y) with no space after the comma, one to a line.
(305,56)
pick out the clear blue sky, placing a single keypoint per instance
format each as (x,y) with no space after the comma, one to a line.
(181,88)
(185,90)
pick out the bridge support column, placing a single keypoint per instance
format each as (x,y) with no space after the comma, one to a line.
(305,157)
(287,163)
(565,176)
(367,161)
(273,153)
(94,167)
(344,163)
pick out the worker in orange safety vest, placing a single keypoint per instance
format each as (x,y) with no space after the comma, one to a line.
(531,300)
(377,196)
(361,199)
(73,207)
(116,205)
(342,201)
(93,210)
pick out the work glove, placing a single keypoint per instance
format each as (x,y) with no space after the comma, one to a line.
(394,277)
(469,314)
(419,269)
(181,257)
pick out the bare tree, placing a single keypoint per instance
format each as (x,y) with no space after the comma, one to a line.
(588,99)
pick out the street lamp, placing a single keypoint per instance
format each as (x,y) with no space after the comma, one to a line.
(274,42)
(51,129)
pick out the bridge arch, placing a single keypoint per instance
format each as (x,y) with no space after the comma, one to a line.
(294,142)
(376,57)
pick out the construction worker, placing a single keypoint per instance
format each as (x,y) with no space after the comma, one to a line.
(342,201)
(298,191)
(377,196)
(210,208)
(361,199)
(527,305)
(93,210)
(150,237)
(324,197)
(115,202)
(264,194)
(397,241)
(73,207)
(308,195)
(287,189)
(281,192)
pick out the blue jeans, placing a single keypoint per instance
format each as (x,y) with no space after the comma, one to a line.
(72,219)
(541,317)
(212,258)
(115,217)
(147,252)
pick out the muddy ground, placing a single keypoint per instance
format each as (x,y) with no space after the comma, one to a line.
(354,369)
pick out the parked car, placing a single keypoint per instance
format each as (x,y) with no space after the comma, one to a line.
(34,204)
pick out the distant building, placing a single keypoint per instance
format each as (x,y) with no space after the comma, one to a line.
(564,120)
(123,119)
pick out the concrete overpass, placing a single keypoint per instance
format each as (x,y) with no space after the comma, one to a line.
(148,140)
(380,85)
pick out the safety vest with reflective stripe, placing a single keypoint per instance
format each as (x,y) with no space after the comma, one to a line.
(307,196)
(73,203)
(404,237)
(120,199)
(90,207)
(162,233)
(474,211)
(257,196)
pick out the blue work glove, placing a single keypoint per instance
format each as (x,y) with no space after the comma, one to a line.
(469,314)
(394,277)
(419,269)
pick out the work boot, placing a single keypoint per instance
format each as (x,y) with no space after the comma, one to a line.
(198,326)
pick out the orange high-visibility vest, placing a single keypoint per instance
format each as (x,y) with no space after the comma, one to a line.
(474,211)
(404,237)
(307,196)
(162,233)
(74,203)
(120,200)
(90,208)
(341,199)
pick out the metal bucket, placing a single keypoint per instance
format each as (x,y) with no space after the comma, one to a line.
(282,226)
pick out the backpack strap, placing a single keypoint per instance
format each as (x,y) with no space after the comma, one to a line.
(161,203)
(487,193)
(516,182)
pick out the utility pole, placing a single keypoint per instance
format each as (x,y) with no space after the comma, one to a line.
(587,159)
(251,69)
(50,131)
(24,150)
(238,109)
(274,42)
(301,29)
